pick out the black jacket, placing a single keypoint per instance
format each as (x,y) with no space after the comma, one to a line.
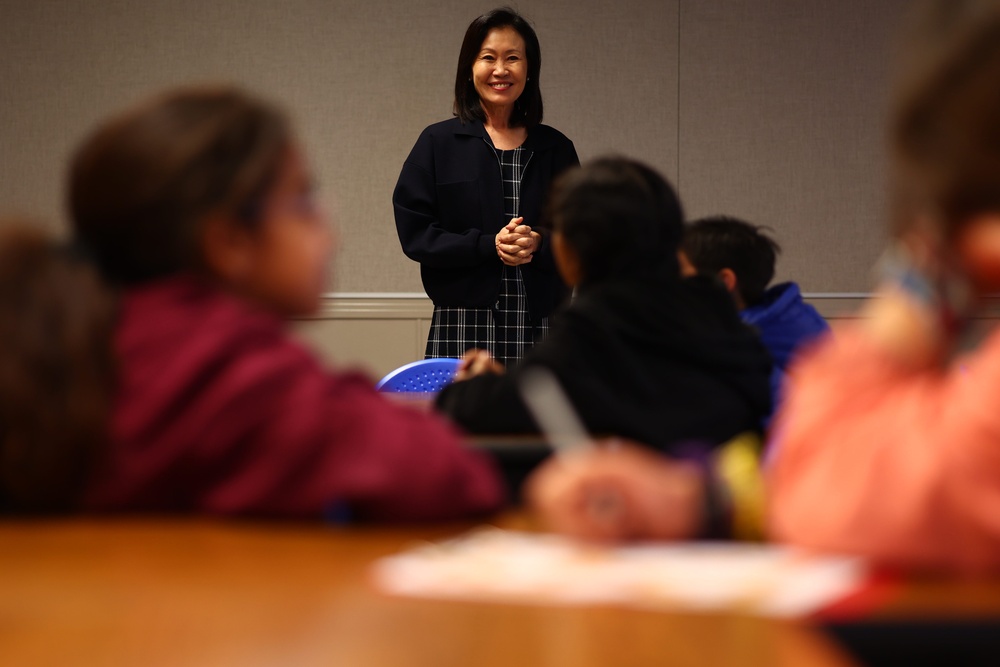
(661,362)
(449,207)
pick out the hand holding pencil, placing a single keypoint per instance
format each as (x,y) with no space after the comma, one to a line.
(609,490)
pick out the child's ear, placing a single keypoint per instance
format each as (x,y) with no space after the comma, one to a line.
(226,249)
(728,278)
(567,260)
(686,267)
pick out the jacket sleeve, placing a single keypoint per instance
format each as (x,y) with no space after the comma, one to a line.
(897,465)
(492,403)
(319,440)
(424,237)
(487,404)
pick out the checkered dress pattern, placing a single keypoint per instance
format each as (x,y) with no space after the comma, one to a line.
(505,329)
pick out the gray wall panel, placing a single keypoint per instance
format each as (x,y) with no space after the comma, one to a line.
(770,109)
(781,122)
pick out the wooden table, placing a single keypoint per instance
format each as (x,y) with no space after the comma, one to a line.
(182,592)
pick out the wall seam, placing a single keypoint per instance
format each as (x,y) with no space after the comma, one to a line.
(677,135)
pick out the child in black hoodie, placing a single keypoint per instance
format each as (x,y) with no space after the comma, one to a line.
(641,353)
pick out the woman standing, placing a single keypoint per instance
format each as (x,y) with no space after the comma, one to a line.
(470,196)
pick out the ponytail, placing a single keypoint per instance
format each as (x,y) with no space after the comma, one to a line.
(56,371)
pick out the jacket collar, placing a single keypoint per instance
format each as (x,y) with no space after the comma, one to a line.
(538,139)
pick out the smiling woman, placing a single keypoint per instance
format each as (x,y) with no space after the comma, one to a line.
(470,196)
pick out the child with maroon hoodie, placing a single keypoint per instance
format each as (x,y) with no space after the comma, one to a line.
(197,232)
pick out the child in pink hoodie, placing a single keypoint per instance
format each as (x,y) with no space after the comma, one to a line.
(886,444)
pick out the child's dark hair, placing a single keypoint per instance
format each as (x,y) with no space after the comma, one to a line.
(142,183)
(620,216)
(528,107)
(944,130)
(723,242)
(56,370)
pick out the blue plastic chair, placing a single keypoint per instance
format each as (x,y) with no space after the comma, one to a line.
(427,376)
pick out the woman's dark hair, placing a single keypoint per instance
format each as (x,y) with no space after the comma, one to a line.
(56,371)
(528,107)
(142,183)
(944,130)
(724,242)
(620,216)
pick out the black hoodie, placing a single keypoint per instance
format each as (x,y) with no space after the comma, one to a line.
(661,362)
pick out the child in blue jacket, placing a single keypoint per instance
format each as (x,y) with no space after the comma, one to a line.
(742,257)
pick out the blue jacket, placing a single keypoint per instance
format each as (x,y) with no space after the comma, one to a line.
(449,206)
(784,322)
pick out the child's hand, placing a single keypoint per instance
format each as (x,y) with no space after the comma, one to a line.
(477,362)
(612,494)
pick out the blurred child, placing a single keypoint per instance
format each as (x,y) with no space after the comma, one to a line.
(640,353)
(742,257)
(197,209)
(885,446)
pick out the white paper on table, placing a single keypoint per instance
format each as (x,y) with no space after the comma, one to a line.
(491,564)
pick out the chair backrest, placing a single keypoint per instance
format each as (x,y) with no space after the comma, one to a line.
(424,376)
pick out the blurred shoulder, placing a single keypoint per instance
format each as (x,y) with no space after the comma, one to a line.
(186,313)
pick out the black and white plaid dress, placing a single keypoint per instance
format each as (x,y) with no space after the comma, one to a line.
(504,330)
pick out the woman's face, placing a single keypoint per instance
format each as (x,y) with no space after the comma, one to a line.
(292,246)
(501,68)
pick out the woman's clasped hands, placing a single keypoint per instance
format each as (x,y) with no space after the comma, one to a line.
(516,243)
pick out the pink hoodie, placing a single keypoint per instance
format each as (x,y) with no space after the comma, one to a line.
(899,465)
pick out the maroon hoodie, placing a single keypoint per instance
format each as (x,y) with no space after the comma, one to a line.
(220,411)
